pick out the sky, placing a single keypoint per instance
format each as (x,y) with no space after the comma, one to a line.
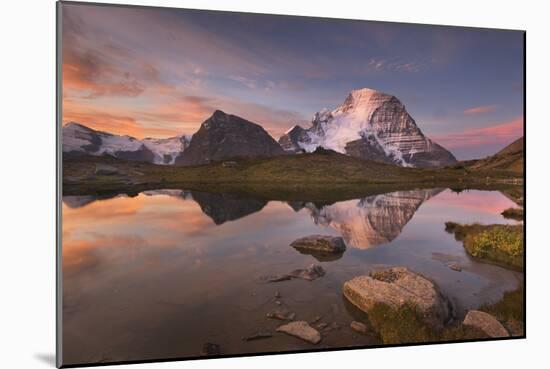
(154,72)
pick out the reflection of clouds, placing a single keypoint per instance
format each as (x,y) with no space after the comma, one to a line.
(479,201)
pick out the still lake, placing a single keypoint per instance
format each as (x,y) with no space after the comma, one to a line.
(160,274)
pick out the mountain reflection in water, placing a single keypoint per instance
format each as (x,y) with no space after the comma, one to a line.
(372,220)
(170,269)
(363,223)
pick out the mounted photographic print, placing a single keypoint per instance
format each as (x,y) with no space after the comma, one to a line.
(239,184)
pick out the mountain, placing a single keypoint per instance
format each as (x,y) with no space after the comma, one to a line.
(81,140)
(511,158)
(372,220)
(224,136)
(369,125)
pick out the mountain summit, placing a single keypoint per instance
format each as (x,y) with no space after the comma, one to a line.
(369,125)
(81,140)
(224,136)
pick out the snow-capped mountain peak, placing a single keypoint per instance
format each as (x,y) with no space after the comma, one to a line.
(372,125)
(81,140)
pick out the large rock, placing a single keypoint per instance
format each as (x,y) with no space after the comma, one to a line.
(371,125)
(320,244)
(485,322)
(224,136)
(396,287)
(301,329)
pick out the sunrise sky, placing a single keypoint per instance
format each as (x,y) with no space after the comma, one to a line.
(152,72)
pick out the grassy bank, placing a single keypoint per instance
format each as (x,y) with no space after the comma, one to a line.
(289,177)
(498,243)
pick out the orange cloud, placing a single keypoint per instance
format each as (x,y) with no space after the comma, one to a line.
(481,109)
(500,133)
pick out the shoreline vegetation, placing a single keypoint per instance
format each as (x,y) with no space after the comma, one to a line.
(323,175)
(498,243)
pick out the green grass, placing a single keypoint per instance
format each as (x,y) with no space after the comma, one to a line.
(509,311)
(407,325)
(498,243)
(322,176)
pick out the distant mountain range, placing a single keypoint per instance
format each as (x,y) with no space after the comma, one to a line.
(81,140)
(369,125)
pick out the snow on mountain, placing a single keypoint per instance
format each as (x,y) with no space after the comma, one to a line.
(370,221)
(372,125)
(79,139)
(166,150)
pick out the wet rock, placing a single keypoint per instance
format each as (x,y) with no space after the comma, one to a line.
(105,170)
(279,278)
(301,330)
(455,267)
(281,316)
(258,336)
(320,244)
(396,287)
(210,349)
(310,273)
(485,322)
(359,327)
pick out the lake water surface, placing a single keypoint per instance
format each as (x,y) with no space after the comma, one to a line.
(160,274)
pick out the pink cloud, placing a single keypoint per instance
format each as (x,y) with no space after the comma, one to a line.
(498,133)
(481,109)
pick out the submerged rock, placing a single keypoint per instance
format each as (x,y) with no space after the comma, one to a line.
(359,327)
(310,273)
(396,287)
(281,316)
(258,336)
(320,244)
(210,349)
(485,322)
(301,330)
(456,267)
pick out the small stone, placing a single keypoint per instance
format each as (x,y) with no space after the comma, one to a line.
(359,327)
(258,336)
(455,267)
(322,325)
(210,349)
(277,294)
(311,273)
(278,302)
(279,278)
(281,316)
(301,330)
(486,322)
